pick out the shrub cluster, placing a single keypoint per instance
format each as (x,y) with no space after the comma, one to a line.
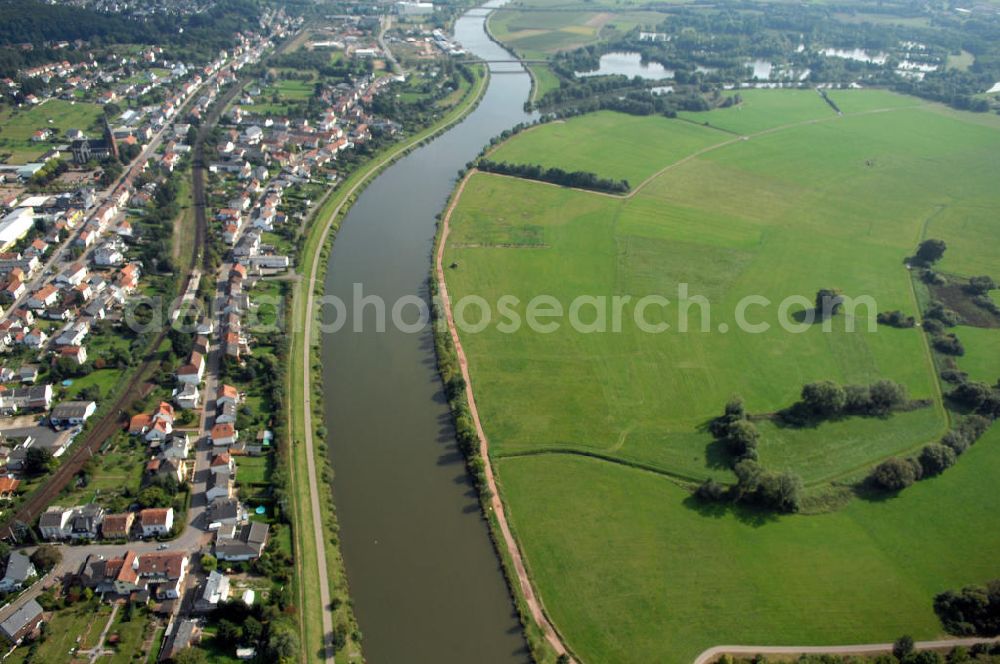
(896,318)
(978,398)
(896,474)
(578,179)
(972,611)
(826,399)
(739,433)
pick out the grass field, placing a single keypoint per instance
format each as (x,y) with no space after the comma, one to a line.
(982,353)
(642,145)
(19,125)
(762,109)
(629,569)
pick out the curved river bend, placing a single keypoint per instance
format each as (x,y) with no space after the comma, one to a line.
(425,580)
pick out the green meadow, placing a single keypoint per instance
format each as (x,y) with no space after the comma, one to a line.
(19,125)
(595,431)
(631,570)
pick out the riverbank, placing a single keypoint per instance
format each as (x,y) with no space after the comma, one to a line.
(544,641)
(324,606)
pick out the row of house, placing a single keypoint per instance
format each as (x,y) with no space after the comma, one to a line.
(90,522)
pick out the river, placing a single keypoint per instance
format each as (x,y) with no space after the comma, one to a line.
(426,583)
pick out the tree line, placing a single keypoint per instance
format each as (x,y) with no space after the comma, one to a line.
(576,179)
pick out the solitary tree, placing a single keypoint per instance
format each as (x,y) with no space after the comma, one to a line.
(829,302)
(931,251)
(903,647)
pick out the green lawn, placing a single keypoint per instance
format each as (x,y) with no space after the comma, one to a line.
(545,80)
(19,125)
(252,470)
(629,569)
(610,144)
(632,571)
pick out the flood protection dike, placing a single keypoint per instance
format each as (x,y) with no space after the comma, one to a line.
(425,580)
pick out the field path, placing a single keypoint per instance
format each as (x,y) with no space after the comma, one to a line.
(715,652)
(496,505)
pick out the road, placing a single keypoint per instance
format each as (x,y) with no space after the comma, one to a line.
(385,23)
(712,654)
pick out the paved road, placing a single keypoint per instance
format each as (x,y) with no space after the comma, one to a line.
(713,654)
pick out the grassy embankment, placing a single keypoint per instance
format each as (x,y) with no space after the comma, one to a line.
(810,200)
(313,262)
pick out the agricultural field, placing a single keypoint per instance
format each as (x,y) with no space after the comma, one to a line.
(599,436)
(56,115)
(539,34)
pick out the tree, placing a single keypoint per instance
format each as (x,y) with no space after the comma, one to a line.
(37,460)
(829,302)
(710,491)
(931,251)
(283,644)
(153,496)
(885,395)
(229,632)
(252,630)
(824,398)
(190,656)
(936,458)
(903,647)
(894,474)
(209,562)
(742,437)
(46,557)
(981,285)
(974,610)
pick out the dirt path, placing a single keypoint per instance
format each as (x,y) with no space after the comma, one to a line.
(496,505)
(712,654)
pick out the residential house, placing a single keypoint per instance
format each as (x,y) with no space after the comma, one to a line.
(193,371)
(22,622)
(222,463)
(156,521)
(216,590)
(8,485)
(76,353)
(177,446)
(226,413)
(44,297)
(187,396)
(241,543)
(71,413)
(18,573)
(224,511)
(224,434)
(117,526)
(167,569)
(219,485)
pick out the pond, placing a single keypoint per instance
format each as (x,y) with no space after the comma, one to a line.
(628,63)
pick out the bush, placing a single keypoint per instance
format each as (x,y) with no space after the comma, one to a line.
(980,285)
(894,474)
(973,611)
(936,458)
(742,437)
(824,398)
(949,344)
(896,318)
(885,396)
(710,491)
(943,314)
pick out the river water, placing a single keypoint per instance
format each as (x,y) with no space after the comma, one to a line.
(426,582)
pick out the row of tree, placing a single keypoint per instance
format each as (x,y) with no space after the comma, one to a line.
(896,473)
(577,179)
(825,400)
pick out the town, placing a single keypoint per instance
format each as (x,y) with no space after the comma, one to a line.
(153,212)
